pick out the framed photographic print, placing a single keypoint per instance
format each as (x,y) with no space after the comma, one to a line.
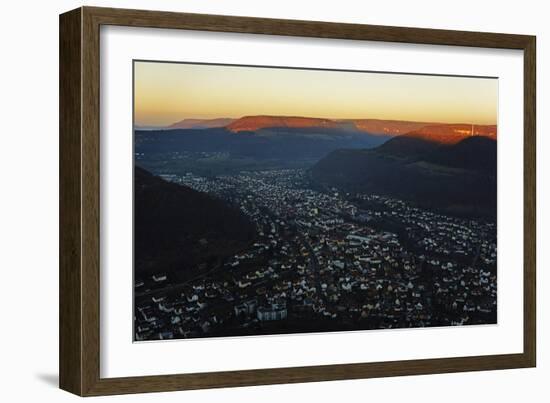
(249,201)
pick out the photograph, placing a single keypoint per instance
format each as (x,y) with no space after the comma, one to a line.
(284,200)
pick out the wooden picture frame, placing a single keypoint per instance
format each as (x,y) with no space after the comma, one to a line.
(79,348)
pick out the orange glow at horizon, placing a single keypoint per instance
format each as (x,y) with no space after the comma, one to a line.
(165,93)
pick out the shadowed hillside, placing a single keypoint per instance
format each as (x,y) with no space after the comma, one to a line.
(177,228)
(473,153)
(457,178)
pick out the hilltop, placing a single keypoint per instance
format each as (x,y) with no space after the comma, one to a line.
(200,123)
(455,175)
(252,123)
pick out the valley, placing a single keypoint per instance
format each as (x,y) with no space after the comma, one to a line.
(295,228)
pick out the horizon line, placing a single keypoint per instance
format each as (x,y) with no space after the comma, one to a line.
(315,117)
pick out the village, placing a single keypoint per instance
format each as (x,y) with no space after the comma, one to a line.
(326,260)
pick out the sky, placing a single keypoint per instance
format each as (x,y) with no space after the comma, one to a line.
(165,93)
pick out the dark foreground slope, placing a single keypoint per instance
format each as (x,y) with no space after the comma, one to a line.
(455,178)
(178,229)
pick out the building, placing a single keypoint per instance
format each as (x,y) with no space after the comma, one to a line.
(272,312)
(246,308)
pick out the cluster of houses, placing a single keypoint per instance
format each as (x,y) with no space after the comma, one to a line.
(324,260)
